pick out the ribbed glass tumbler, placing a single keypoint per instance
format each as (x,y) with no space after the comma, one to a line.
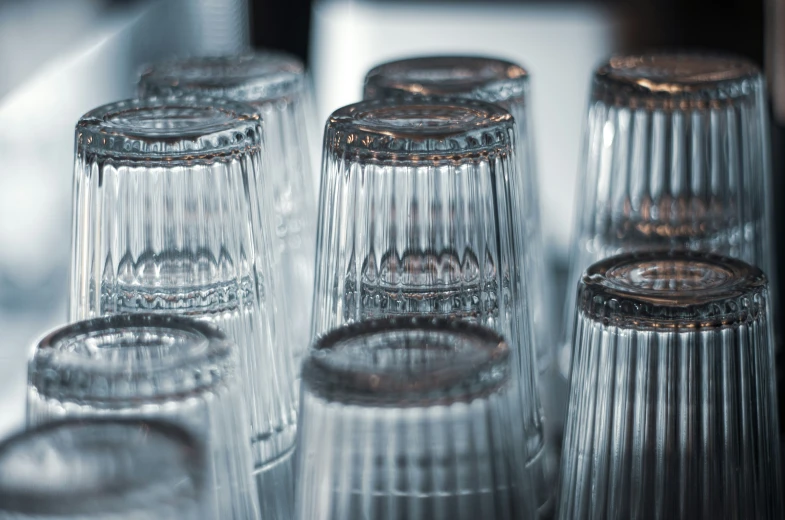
(147,365)
(676,156)
(506,84)
(275,84)
(407,418)
(419,216)
(122,469)
(172,215)
(672,409)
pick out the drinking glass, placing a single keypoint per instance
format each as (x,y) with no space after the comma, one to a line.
(171,215)
(507,85)
(676,156)
(419,215)
(275,84)
(408,418)
(672,410)
(157,366)
(123,469)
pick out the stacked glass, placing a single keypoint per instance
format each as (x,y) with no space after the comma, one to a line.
(275,84)
(672,410)
(117,469)
(506,84)
(171,215)
(676,157)
(153,366)
(408,418)
(420,215)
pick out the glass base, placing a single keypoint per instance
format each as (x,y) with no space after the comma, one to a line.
(275,486)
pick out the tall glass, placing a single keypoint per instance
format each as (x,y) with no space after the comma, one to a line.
(672,410)
(407,418)
(275,84)
(153,366)
(506,84)
(419,216)
(116,469)
(676,156)
(172,214)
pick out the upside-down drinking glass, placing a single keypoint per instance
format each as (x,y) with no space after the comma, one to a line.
(115,469)
(419,215)
(275,84)
(672,410)
(172,215)
(149,365)
(676,156)
(407,418)
(507,85)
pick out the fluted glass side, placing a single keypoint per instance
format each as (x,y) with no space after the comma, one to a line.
(408,418)
(676,156)
(506,84)
(148,365)
(419,216)
(121,469)
(171,215)
(275,84)
(672,410)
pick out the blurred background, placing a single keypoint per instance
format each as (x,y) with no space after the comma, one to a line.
(60,58)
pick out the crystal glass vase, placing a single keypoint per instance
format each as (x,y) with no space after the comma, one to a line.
(276,85)
(672,410)
(172,215)
(163,367)
(408,418)
(676,156)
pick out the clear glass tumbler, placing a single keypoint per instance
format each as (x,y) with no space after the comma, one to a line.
(275,84)
(407,418)
(419,215)
(672,410)
(171,215)
(676,156)
(507,85)
(156,366)
(123,469)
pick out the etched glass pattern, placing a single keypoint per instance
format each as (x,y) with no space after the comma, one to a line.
(407,418)
(275,84)
(123,469)
(672,410)
(507,85)
(171,216)
(148,365)
(419,216)
(676,156)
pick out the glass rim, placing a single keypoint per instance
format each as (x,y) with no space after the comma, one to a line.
(346,365)
(672,289)
(198,356)
(448,75)
(19,500)
(163,129)
(676,80)
(254,77)
(420,129)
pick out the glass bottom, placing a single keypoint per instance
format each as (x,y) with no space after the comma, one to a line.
(275,486)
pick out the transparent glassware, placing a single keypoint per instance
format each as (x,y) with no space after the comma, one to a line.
(171,215)
(408,418)
(507,85)
(275,84)
(672,410)
(122,469)
(163,367)
(419,216)
(676,156)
